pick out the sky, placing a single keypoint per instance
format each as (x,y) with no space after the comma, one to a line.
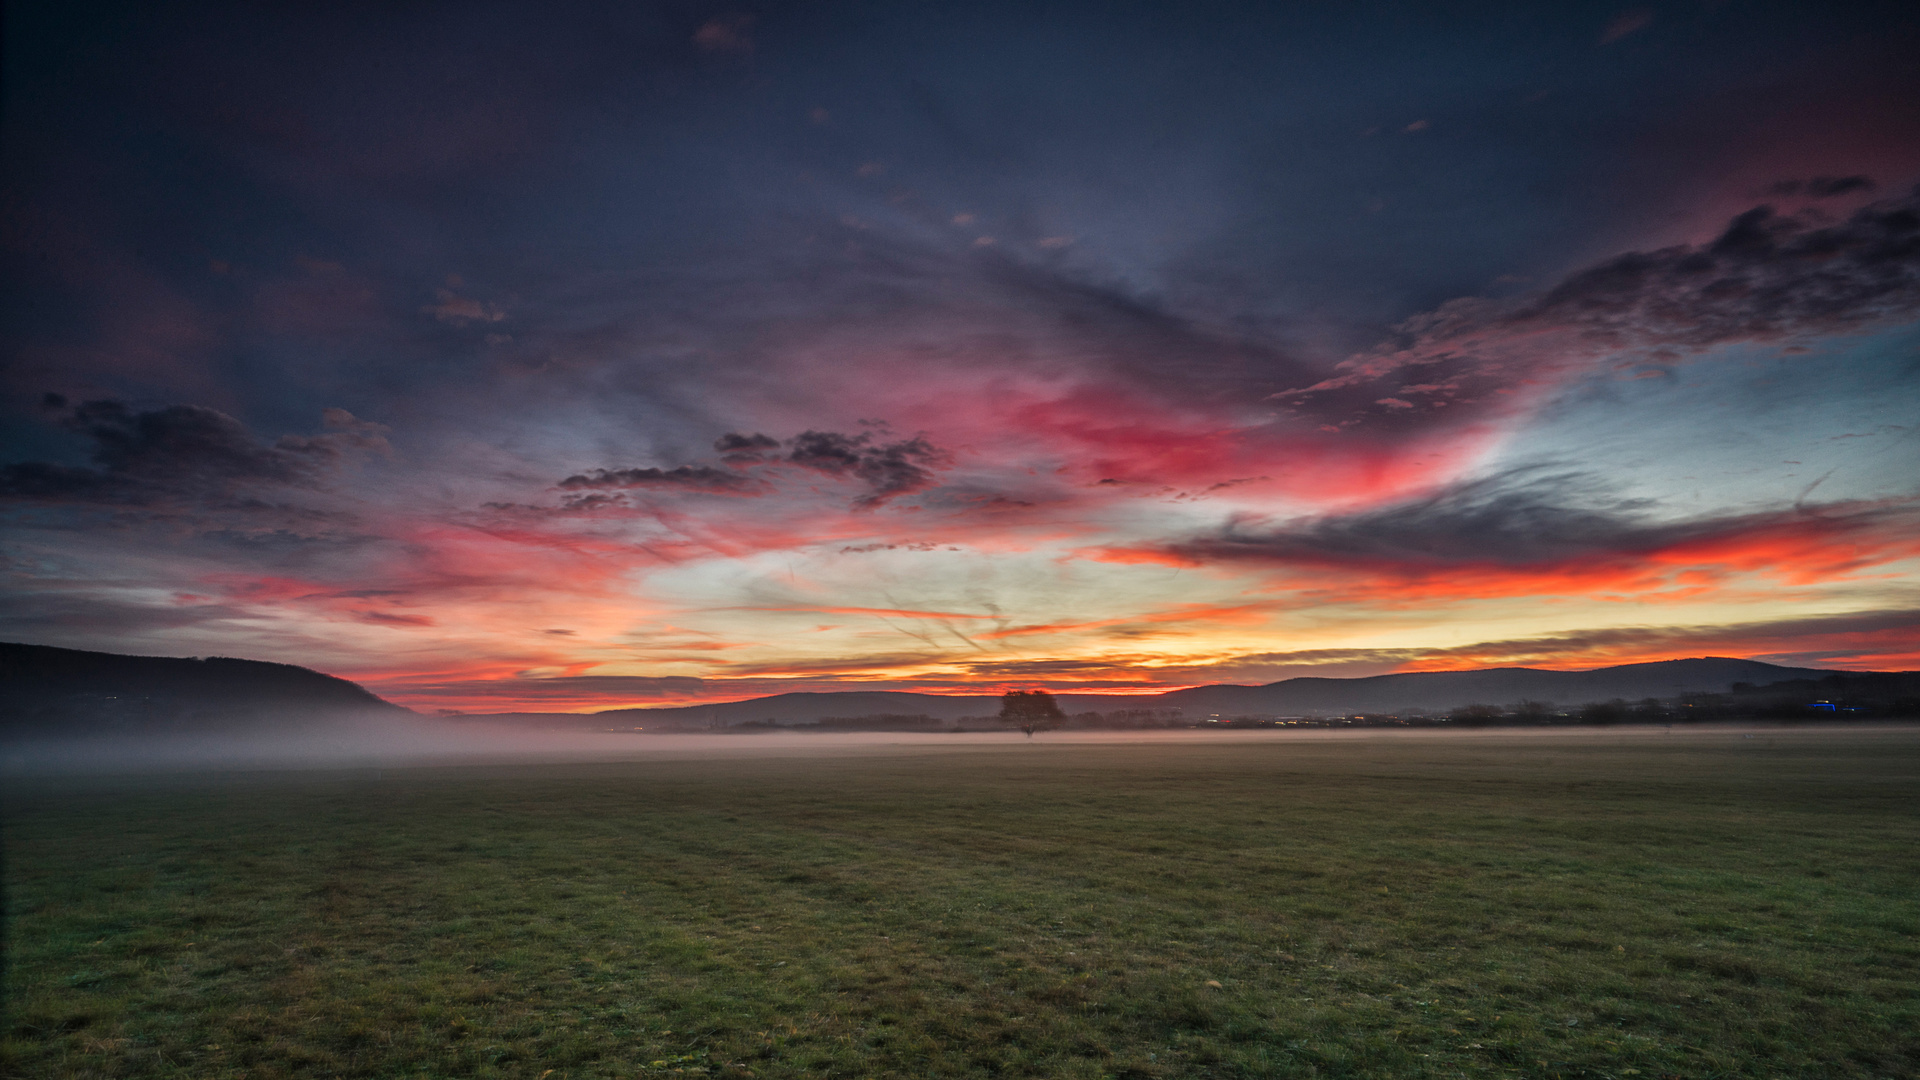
(561,357)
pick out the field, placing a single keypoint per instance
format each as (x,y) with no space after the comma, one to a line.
(1619,904)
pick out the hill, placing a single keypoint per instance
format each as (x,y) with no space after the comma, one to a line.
(813,708)
(1429,691)
(1436,691)
(65,692)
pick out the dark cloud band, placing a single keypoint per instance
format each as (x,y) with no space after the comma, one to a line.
(888,469)
(1526,518)
(1767,277)
(183,457)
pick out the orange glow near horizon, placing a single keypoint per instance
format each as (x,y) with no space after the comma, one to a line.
(1128,621)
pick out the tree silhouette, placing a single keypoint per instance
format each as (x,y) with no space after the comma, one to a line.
(1030,710)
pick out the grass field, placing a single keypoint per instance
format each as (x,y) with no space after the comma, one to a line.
(1699,904)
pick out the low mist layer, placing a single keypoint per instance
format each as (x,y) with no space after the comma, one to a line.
(384,743)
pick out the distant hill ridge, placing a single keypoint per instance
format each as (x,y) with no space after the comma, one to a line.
(1433,690)
(46,690)
(1430,691)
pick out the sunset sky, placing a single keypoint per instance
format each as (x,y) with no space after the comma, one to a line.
(566,357)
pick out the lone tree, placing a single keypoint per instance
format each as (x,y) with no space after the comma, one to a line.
(1030,710)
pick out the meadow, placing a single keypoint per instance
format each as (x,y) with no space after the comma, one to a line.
(1627,903)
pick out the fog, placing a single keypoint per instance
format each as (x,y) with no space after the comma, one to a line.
(387,742)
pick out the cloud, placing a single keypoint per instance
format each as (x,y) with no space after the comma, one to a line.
(182,454)
(1517,518)
(738,449)
(757,463)
(888,613)
(460,310)
(1767,277)
(889,469)
(81,616)
(728,33)
(704,479)
(1538,532)
(1149,624)
(392,619)
(183,441)
(40,480)
(1844,638)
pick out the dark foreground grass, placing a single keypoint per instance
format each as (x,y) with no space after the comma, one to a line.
(1693,905)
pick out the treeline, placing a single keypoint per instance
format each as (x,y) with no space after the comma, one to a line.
(1866,696)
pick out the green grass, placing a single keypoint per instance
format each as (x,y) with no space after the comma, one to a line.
(1695,905)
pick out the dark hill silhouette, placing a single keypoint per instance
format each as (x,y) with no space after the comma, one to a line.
(46,691)
(1430,691)
(1436,691)
(812,708)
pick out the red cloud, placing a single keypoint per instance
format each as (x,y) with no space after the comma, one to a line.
(1433,551)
